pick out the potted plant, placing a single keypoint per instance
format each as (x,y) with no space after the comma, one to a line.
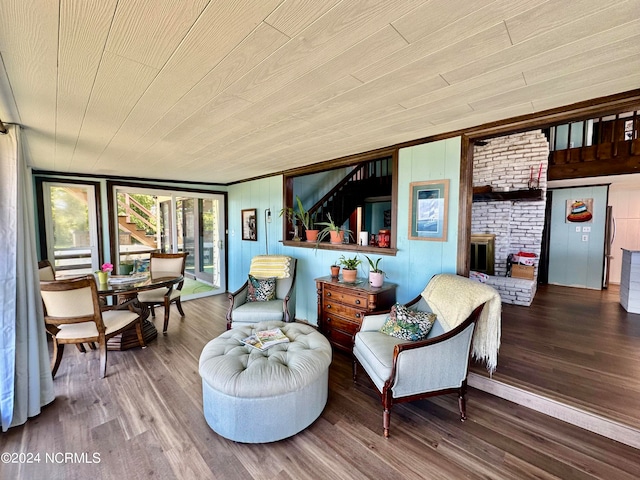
(126,265)
(335,232)
(103,273)
(335,270)
(376,276)
(350,268)
(306,218)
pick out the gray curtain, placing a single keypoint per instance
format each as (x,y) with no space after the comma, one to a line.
(25,378)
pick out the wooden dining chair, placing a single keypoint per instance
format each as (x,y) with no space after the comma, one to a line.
(46,271)
(73,314)
(161,264)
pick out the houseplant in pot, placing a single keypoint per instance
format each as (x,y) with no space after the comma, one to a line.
(335,270)
(376,276)
(304,217)
(103,273)
(335,232)
(349,268)
(126,266)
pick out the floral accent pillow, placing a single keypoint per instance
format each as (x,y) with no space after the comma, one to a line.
(408,324)
(261,289)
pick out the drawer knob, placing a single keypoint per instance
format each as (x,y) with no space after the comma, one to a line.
(328,294)
(357,315)
(328,306)
(328,319)
(357,302)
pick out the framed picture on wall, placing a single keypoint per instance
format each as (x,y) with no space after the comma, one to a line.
(250,224)
(428,210)
(579,211)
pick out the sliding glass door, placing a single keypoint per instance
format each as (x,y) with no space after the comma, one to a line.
(176,222)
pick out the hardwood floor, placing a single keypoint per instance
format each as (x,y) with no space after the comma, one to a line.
(144,420)
(576,346)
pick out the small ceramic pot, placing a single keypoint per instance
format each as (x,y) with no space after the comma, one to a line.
(376,279)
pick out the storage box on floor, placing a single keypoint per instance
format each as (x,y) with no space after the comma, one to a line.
(522,271)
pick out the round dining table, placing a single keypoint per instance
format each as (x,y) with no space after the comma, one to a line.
(124,292)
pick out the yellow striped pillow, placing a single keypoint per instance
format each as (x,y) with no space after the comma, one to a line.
(265,266)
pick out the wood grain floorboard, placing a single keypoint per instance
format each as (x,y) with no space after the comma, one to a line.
(576,346)
(145,419)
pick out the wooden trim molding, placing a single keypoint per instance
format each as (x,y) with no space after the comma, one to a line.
(465,204)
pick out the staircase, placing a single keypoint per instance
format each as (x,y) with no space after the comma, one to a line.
(129,229)
(367,179)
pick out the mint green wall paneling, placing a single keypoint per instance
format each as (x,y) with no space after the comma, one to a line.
(416,261)
(572,261)
(433,161)
(261,195)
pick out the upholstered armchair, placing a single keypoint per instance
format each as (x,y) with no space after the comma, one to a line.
(404,370)
(247,305)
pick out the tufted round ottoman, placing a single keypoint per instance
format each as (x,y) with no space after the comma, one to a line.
(251,396)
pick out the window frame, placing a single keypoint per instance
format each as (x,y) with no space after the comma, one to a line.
(289,201)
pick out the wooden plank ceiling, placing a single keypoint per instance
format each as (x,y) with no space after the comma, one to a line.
(220,91)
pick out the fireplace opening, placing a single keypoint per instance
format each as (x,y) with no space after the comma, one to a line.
(483,252)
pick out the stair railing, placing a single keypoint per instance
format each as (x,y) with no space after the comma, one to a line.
(130,212)
(362,171)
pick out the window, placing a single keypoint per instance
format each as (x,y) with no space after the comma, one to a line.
(358,196)
(71,230)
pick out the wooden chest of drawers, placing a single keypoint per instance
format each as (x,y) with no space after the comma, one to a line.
(341,307)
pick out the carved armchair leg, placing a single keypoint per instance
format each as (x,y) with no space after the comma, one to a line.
(355,371)
(386,420)
(387,402)
(462,404)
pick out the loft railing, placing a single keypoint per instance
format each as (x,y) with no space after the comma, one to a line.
(598,146)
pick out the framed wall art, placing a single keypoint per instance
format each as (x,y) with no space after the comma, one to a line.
(428,210)
(579,210)
(250,224)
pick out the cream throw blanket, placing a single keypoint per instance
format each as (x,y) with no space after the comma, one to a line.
(453,298)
